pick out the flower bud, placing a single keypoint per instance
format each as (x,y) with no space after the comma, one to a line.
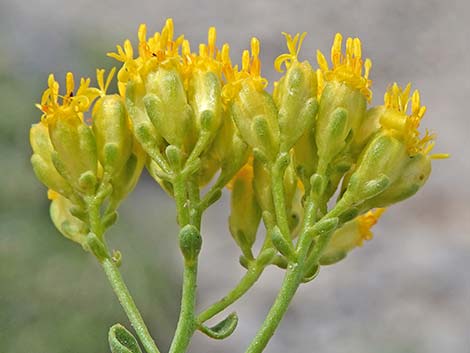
(205,98)
(42,160)
(413,176)
(113,137)
(70,226)
(340,113)
(295,96)
(255,116)
(75,154)
(380,164)
(143,128)
(167,106)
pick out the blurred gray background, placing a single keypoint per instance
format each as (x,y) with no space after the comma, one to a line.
(406,291)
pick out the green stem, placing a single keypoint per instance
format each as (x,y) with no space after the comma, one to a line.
(127,303)
(186,322)
(181,200)
(277,176)
(292,280)
(279,308)
(247,281)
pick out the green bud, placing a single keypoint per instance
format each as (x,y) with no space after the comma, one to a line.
(143,128)
(69,226)
(42,160)
(113,136)
(380,164)
(255,116)
(340,113)
(75,148)
(190,242)
(167,106)
(205,99)
(295,97)
(413,176)
(245,214)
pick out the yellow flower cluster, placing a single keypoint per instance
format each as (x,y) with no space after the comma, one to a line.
(196,114)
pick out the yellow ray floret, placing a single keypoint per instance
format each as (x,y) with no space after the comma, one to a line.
(366,222)
(348,67)
(73,102)
(208,58)
(250,71)
(159,49)
(293,46)
(397,100)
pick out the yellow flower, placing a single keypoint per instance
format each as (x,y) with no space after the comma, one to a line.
(365,222)
(160,49)
(347,68)
(73,103)
(250,72)
(397,121)
(293,45)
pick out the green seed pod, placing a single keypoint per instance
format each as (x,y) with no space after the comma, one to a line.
(75,147)
(113,136)
(42,160)
(295,97)
(167,106)
(70,226)
(255,116)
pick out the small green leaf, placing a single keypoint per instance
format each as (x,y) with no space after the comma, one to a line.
(223,329)
(122,341)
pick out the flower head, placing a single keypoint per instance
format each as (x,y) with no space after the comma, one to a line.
(250,72)
(73,102)
(348,68)
(403,116)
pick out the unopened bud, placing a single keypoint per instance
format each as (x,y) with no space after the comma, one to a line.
(113,136)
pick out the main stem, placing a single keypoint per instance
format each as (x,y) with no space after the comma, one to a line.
(289,287)
(127,303)
(186,323)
